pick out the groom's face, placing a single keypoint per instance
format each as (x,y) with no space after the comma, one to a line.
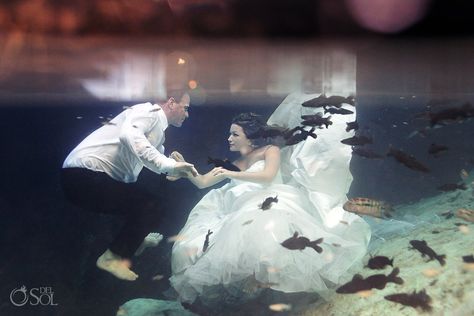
(179,111)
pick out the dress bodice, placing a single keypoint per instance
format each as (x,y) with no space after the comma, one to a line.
(257,166)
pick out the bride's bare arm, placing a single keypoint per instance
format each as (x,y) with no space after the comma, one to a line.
(272,164)
(201,180)
(206,180)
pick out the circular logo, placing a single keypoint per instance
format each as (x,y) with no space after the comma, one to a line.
(18,296)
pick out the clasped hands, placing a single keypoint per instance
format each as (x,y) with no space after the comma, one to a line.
(218,171)
(182,169)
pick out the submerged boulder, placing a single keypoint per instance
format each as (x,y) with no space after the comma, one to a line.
(152,307)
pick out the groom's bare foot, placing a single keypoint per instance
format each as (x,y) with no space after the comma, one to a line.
(116,265)
(152,240)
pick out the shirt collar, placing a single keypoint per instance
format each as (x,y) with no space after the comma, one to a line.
(163,119)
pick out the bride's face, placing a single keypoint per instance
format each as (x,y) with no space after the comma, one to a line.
(237,139)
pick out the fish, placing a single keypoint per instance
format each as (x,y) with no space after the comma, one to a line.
(407,160)
(334,100)
(379,262)
(341,111)
(414,299)
(280,307)
(247,222)
(300,243)
(452,187)
(157,277)
(268,202)
(376,281)
(465,214)
(366,206)
(357,140)
(431,273)
(352,126)
(425,250)
(451,114)
(316,120)
(206,241)
(224,163)
(468,259)
(447,214)
(296,138)
(435,149)
(366,153)
(108,122)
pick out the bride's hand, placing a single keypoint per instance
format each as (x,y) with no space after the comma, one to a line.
(219,171)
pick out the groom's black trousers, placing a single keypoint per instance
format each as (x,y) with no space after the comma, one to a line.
(98,192)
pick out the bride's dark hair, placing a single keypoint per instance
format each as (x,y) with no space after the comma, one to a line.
(252,125)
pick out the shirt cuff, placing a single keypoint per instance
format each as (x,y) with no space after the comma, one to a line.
(167,165)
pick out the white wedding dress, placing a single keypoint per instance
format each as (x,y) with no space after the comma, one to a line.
(246,241)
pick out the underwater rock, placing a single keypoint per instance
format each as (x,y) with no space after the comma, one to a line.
(152,307)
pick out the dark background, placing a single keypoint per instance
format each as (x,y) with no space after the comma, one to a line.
(233,18)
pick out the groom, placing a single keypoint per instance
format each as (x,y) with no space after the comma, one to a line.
(99,175)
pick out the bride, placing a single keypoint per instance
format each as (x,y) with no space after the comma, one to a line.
(230,241)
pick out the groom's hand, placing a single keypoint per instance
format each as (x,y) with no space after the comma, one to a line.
(184,170)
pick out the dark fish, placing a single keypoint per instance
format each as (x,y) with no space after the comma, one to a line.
(155,110)
(435,232)
(247,222)
(452,187)
(296,138)
(377,281)
(300,243)
(334,100)
(224,163)
(352,126)
(447,214)
(406,159)
(290,133)
(420,299)
(107,121)
(468,259)
(357,140)
(425,250)
(341,111)
(451,114)
(316,120)
(206,242)
(366,153)
(433,282)
(379,262)
(435,149)
(268,202)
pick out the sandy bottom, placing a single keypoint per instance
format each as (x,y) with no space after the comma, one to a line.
(451,286)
